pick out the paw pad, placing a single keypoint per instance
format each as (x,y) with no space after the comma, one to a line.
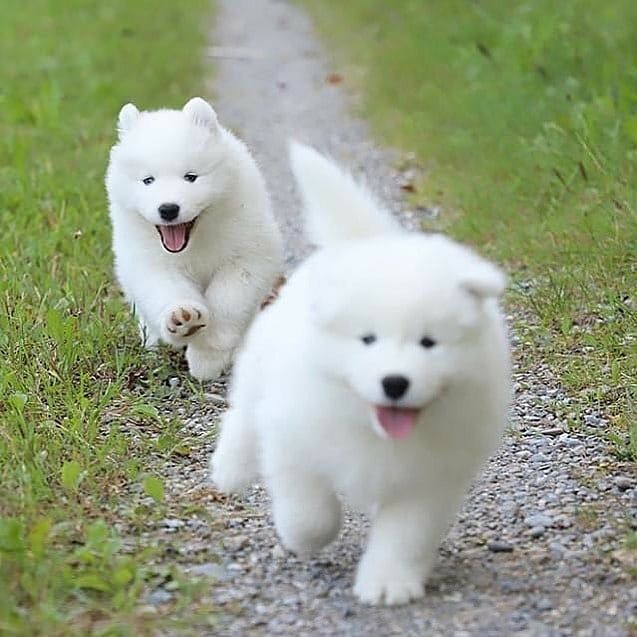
(185,320)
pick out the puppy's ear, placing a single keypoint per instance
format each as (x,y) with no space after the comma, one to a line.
(127,118)
(483,280)
(202,114)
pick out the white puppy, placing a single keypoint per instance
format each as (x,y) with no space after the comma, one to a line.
(381,373)
(196,246)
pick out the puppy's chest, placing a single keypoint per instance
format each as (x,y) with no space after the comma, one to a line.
(366,475)
(201,268)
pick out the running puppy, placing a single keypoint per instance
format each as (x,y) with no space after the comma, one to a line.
(196,246)
(380,373)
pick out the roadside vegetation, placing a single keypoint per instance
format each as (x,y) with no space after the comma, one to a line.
(71,370)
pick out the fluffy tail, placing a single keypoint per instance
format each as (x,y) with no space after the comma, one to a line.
(336,208)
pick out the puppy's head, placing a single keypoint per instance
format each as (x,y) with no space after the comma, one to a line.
(169,167)
(400,319)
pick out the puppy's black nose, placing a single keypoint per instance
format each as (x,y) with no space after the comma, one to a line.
(168,211)
(395,386)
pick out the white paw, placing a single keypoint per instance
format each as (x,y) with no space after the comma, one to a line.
(205,363)
(183,321)
(304,541)
(307,522)
(395,585)
(228,475)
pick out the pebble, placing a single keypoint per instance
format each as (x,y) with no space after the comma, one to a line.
(159,596)
(538,519)
(209,569)
(623,483)
(235,566)
(235,543)
(544,604)
(173,523)
(213,397)
(537,531)
(498,546)
(174,382)
(510,586)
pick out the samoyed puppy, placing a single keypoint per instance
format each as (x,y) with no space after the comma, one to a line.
(195,242)
(380,375)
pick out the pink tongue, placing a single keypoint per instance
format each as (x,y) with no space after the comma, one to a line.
(174,237)
(397,421)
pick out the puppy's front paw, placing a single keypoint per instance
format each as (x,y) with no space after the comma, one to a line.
(376,583)
(228,475)
(205,363)
(183,321)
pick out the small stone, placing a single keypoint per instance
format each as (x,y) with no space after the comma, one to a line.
(509,586)
(544,604)
(430,212)
(210,569)
(159,596)
(173,523)
(173,382)
(212,397)
(537,531)
(235,566)
(553,431)
(235,543)
(557,550)
(498,546)
(592,420)
(539,458)
(623,483)
(520,619)
(539,519)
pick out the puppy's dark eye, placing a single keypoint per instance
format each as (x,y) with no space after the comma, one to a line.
(147,181)
(427,342)
(368,339)
(190,177)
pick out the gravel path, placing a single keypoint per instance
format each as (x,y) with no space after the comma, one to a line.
(538,547)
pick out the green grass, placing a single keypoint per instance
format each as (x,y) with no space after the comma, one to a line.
(71,371)
(524,116)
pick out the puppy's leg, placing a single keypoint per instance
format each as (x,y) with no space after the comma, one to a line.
(204,362)
(307,514)
(400,552)
(233,465)
(169,305)
(233,297)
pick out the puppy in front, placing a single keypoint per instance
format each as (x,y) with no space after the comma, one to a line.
(381,373)
(196,246)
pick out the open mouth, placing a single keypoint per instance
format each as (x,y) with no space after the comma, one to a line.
(175,238)
(396,422)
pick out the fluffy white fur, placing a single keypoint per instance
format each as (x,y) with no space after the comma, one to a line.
(204,296)
(307,390)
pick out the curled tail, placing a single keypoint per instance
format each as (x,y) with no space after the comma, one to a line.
(336,207)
